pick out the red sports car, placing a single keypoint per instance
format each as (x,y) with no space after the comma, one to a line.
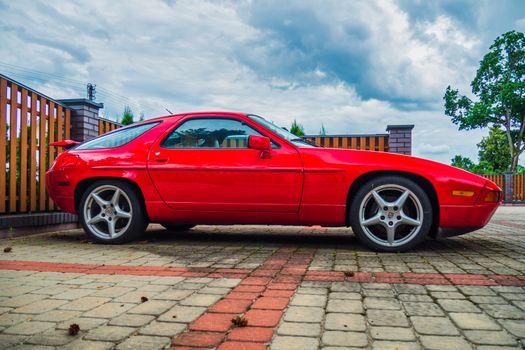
(235,168)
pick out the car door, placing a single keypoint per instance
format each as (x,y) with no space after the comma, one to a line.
(204,164)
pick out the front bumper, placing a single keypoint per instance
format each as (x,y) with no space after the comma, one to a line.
(460,219)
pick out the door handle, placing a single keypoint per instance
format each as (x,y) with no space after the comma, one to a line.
(159,158)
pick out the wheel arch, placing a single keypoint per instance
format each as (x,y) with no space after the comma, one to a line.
(83,185)
(425,184)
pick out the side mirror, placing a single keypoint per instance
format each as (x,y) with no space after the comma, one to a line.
(67,144)
(260,143)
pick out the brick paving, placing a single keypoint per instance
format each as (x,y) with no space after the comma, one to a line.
(298,288)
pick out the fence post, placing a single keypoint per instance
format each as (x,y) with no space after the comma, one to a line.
(84,118)
(400,138)
(508,191)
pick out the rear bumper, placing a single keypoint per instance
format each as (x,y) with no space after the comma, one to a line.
(60,190)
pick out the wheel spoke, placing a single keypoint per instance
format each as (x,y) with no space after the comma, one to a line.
(372,221)
(402,199)
(391,234)
(122,214)
(115,198)
(95,219)
(409,221)
(111,228)
(379,200)
(101,202)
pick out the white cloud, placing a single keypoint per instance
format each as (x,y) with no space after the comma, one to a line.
(186,55)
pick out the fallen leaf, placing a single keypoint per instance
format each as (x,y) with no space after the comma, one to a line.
(8,249)
(74,329)
(240,321)
(349,273)
(143,299)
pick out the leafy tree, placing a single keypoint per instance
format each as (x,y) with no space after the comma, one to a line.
(297,129)
(127,116)
(499,86)
(322,131)
(494,150)
(462,162)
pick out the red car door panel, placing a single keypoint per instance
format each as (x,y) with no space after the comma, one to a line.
(227,179)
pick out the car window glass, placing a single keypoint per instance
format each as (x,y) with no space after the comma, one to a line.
(220,133)
(117,138)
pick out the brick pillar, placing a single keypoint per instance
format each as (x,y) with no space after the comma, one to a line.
(84,118)
(508,190)
(400,138)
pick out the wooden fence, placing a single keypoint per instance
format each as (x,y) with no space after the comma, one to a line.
(519,187)
(29,121)
(106,125)
(361,142)
(518,193)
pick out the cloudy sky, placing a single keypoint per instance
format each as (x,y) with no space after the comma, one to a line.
(354,66)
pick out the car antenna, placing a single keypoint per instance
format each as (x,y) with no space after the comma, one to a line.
(170,112)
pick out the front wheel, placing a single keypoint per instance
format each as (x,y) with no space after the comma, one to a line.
(111,212)
(391,213)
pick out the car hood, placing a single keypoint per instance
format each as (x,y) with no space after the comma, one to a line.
(432,170)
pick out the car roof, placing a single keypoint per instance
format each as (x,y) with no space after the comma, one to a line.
(205,113)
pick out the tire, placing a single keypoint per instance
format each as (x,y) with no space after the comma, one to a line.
(100,210)
(403,225)
(177,227)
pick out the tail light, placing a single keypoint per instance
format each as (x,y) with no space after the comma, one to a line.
(492,196)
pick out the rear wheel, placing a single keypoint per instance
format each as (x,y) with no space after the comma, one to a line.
(112,212)
(391,213)
(177,227)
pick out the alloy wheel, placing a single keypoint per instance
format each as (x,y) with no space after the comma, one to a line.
(108,212)
(391,215)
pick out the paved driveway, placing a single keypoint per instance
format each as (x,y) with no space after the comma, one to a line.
(297,288)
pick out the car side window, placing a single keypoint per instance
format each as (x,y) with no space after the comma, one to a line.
(221,133)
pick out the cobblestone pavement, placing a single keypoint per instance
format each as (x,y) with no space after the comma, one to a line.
(297,288)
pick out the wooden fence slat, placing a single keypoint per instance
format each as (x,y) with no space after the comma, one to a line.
(32,155)
(362,143)
(67,127)
(42,155)
(3,145)
(353,142)
(12,150)
(381,144)
(372,146)
(51,149)
(23,152)
(60,127)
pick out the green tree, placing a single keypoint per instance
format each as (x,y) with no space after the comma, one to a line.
(297,129)
(494,150)
(322,131)
(127,116)
(499,86)
(462,162)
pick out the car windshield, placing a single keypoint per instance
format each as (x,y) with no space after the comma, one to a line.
(285,134)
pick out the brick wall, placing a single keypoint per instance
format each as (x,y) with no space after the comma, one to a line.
(400,138)
(84,118)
